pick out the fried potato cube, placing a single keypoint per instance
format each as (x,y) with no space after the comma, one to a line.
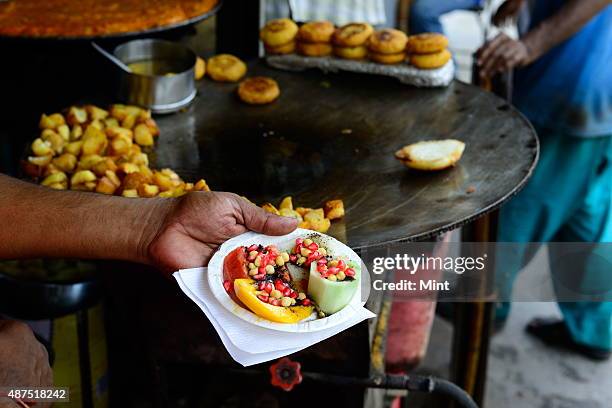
(133,181)
(201,186)
(64,132)
(146,171)
(188,187)
(40,161)
(51,121)
(76,116)
(117,131)
(129,121)
(56,178)
(104,165)
(59,186)
(74,147)
(319,224)
(112,176)
(118,111)
(334,209)
(269,207)
(96,113)
(166,194)
(98,124)
(152,125)
(50,169)
(41,147)
(287,212)
(81,179)
(148,190)
(200,68)
(130,193)
(286,203)
(51,136)
(121,145)
(162,181)
(316,219)
(65,162)
(87,162)
(76,132)
(316,213)
(302,210)
(304,224)
(111,123)
(106,186)
(128,168)
(94,141)
(143,136)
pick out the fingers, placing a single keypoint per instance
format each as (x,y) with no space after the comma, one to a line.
(490,47)
(505,55)
(258,220)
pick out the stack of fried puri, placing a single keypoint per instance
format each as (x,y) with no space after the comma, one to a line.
(350,40)
(428,50)
(388,46)
(279,35)
(314,38)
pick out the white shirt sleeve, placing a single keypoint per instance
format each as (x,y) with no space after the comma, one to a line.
(337,11)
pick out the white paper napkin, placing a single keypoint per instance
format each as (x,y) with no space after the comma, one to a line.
(246,343)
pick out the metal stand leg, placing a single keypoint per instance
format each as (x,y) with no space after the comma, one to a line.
(84,362)
(473,323)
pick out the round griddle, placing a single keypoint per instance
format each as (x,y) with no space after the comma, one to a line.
(334,136)
(118,36)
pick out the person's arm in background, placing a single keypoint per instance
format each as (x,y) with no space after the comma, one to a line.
(170,233)
(504,53)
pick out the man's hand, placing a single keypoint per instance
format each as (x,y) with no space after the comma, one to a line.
(507,12)
(196,224)
(23,360)
(502,54)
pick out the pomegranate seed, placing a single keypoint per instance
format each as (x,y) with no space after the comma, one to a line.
(263,298)
(299,241)
(322,261)
(259,277)
(293,294)
(306,302)
(275,302)
(261,285)
(313,247)
(287,292)
(253,248)
(324,274)
(227,285)
(292,258)
(341,264)
(269,287)
(333,270)
(349,272)
(321,268)
(279,285)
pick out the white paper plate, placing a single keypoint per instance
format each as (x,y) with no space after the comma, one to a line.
(312,324)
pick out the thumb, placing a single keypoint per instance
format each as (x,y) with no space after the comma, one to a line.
(258,220)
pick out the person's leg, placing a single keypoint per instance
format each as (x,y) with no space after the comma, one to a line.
(540,210)
(590,323)
(425,14)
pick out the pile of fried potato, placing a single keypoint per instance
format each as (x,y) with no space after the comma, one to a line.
(317,219)
(92,149)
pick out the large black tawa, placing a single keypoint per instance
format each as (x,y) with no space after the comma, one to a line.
(334,136)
